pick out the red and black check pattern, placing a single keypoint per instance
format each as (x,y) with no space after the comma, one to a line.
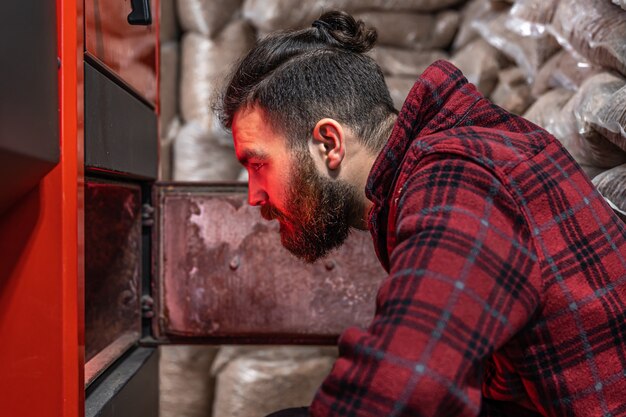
(506,293)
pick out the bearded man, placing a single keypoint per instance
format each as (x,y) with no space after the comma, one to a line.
(506,293)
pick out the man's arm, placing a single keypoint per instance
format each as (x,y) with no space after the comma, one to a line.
(464,279)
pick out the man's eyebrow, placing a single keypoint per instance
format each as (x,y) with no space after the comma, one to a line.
(252,154)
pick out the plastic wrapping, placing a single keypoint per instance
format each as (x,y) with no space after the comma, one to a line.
(168,94)
(546,110)
(564,69)
(529,53)
(168,136)
(576,132)
(474,10)
(480,63)
(592,171)
(207,17)
(404,62)
(185,382)
(610,118)
(259,382)
(206,64)
(611,185)
(413,30)
(594,28)
(531,17)
(399,88)
(512,91)
(269,15)
(199,156)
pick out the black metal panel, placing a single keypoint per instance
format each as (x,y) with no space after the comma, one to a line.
(120,131)
(29,115)
(112,271)
(129,389)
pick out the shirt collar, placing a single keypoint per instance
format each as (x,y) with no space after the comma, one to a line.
(440,98)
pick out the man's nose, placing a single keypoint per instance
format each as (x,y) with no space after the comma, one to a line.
(256,195)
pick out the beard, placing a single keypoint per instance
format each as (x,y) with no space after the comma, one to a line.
(318,211)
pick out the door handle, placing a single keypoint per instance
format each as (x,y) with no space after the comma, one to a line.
(140,14)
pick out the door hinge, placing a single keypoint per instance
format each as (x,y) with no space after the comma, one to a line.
(147,215)
(147,307)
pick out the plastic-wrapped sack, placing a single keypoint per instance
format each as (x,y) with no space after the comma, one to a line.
(546,110)
(576,132)
(592,171)
(270,15)
(480,63)
(168,94)
(620,3)
(399,88)
(185,382)
(472,11)
(167,142)
(564,69)
(610,118)
(413,30)
(529,53)
(611,184)
(206,65)
(512,91)
(260,382)
(207,17)
(404,62)
(198,156)
(531,17)
(594,28)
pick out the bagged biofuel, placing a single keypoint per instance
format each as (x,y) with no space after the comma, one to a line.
(413,30)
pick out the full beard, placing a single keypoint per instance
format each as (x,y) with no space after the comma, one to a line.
(318,211)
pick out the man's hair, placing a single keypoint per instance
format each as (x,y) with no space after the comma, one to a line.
(301,76)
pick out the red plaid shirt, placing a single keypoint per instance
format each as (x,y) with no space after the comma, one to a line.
(506,293)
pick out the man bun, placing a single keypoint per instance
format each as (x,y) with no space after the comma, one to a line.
(340,29)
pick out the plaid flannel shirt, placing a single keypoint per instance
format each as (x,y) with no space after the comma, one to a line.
(506,293)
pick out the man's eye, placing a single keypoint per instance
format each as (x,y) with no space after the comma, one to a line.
(257,166)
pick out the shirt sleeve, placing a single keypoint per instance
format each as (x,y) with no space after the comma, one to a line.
(463,280)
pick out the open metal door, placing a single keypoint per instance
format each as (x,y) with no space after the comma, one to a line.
(221,274)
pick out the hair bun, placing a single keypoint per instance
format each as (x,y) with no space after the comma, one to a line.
(342,30)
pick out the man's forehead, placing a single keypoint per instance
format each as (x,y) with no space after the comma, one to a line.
(252,135)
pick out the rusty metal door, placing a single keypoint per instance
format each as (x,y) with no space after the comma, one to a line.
(221,274)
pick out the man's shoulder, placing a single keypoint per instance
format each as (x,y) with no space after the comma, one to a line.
(498,151)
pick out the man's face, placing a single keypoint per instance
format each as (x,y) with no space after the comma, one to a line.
(313,210)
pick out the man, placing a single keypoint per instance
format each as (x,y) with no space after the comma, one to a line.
(506,290)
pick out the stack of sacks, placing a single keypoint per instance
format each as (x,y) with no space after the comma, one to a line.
(215,37)
(411,33)
(560,63)
(408,43)
(186,386)
(168,84)
(592,65)
(256,381)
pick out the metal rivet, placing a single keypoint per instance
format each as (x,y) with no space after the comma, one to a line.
(330,265)
(234,263)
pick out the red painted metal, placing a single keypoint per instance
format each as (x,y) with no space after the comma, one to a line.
(41,263)
(128,51)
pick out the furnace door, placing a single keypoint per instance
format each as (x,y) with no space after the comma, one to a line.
(222,274)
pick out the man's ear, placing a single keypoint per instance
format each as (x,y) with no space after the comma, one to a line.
(328,135)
